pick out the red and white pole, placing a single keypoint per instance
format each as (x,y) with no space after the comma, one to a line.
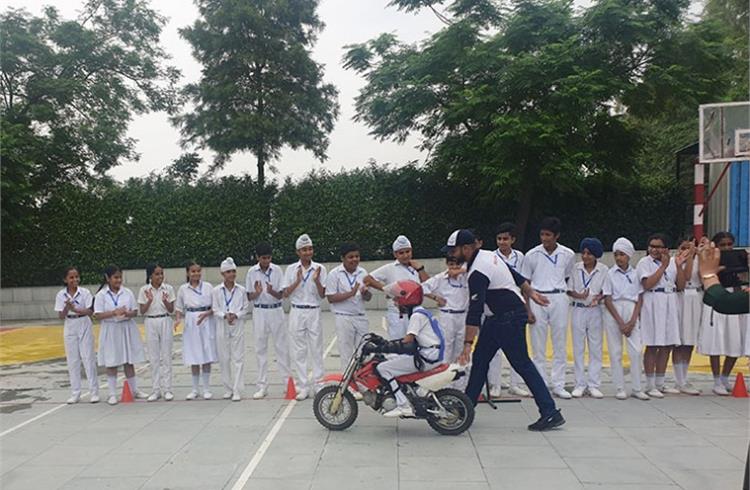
(699,199)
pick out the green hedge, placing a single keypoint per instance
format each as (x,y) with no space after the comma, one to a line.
(158,219)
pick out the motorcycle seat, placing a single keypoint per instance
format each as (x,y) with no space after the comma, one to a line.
(416,376)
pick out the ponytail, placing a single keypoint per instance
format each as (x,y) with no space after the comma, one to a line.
(108,272)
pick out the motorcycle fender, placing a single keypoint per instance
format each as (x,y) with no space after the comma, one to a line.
(336,379)
(437,381)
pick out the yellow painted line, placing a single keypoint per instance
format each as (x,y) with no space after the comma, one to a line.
(21,345)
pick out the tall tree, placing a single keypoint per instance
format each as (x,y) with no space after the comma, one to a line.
(515,101)
(68,91)
(260,89)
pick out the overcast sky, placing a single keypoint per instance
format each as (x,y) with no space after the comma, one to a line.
(347,21)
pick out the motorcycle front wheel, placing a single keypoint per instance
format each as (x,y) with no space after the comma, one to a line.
(460,412)
(347,412)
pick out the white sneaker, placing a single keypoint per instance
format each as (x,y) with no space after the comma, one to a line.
(261,393)
(562,393)
(720,390)
(94,398)
(207,395)
(689,389)
(168,396)
(227,395)
(596,393)
(577,392)
(302,395)
(640,395)
(236,397)
(112,400)
(621,395)
(140,395)
(519,391)
(669,390)
(654,393)
(192,395)
(495,392)
(405,411)
(73,399)
(153,397)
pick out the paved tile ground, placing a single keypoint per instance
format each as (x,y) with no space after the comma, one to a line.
(678,442)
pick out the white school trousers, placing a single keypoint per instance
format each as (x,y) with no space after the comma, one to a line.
(494,375)
(306,333)
(78,336)
(633,343)
(587,330)
(349,332)
(270,322)
(159,340)
(230,344)
(552,318)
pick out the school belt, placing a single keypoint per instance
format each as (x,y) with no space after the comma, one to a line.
(305,307)
(576,304)
(625,299)
(694,288)
(200,308)
(662,290)
(455,312)
(267,307)
(75,316)
(554,291)
(157,316)
(349,314)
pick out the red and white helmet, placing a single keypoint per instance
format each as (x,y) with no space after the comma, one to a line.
(405,293)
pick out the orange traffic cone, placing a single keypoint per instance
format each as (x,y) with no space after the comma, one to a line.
(127,394)
(740,390)
(291,392)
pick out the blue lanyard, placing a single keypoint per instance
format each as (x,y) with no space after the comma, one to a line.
(550,259)
(268,275)
(115,299)
(73,298)
(351,281)
(666,277)
(409,268)
(199,292)
(307,276)
(626,274)
(457,285)
(515,258)
(228,301)
(591,278)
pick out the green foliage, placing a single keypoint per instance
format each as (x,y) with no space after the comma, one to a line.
(260,90)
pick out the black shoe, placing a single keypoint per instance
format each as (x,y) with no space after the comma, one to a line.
(555,419)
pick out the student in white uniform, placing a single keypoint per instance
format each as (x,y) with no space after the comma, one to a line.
(347,293)
(690,303)
(194,304)
(505,238)
(660,277)
(450,290)
(622,299)
(74,304)
(404,268)
(230,307)
(721,335)
(304,285)
(585,287)
(547,267)
(263,284)
(120,341)
(156,300)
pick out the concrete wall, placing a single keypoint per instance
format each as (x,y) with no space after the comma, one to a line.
(37,303)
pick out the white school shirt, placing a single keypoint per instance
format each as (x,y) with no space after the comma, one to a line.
(306,293)
(157,305)
(622,284)
(393,272)
(340,281)
(194,297)
(580,280)
(547,272)
(105,300)
(694,281)
(515,259)
(81,299)
(230,301)
(420,327)
(648,265)
(273,276)
(455,291)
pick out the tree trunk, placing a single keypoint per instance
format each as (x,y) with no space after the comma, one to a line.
(524,211)
(261,168)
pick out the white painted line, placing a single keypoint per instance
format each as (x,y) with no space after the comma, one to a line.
(54,409)
(258,456)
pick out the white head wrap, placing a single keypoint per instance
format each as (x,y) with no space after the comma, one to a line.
(401,243)
(303,241)
(624,245)
(228,265)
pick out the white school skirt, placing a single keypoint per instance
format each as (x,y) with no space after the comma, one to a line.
(120,343)
(660,319)
(199,341)
(745,329)
(720,335)
(691,307)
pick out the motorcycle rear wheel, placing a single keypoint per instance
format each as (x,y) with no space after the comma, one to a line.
(461,413)
(348,410)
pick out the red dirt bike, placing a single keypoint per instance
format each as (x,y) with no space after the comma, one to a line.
(447,410)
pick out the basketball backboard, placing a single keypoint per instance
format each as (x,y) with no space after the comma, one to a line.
(724,132)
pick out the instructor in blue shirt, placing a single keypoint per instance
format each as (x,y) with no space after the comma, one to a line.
(497,291)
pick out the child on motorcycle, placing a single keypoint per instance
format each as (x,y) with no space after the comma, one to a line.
(421,349)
